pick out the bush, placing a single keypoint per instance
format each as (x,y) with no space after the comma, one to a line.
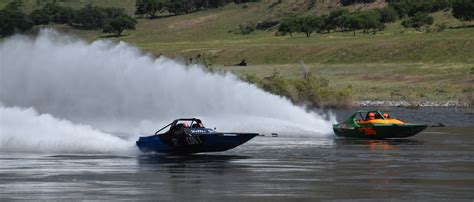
(248,28)
(310,90)
(409,8)
(463,10)
(310,24)
(350,2)
(387,15)
(12,21)
(263,25)
(288,25)
(93,17)
(119,24)
(277,85)
(65,15)
(418,21)
(53,13)
(40,17)
(337,19)
(149,7)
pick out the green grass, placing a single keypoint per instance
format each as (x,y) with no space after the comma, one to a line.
(383,81)
(207,33)
(395,64)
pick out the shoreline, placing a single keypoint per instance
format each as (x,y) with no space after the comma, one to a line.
(410,104)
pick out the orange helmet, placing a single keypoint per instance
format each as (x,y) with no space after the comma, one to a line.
(371,115)
(385,115)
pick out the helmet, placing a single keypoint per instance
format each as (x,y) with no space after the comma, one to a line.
(385,115)
(371,115)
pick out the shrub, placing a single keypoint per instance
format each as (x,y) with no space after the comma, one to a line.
(288,25)
(463,10)
(119,24)
(418,21)
(40,17)
(248,28)
(387,15)
(12,21)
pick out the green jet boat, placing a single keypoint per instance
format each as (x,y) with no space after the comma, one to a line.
(373,124)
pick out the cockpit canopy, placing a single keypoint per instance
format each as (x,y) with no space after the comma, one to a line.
(363,115)
(187,123)
(179,124)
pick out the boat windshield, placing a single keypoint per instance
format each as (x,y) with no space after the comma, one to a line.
(364,116)
(180,124)
(195,123)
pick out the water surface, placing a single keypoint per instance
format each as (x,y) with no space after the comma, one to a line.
(436,164)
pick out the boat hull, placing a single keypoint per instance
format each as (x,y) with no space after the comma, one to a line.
(213,142)
(379,132)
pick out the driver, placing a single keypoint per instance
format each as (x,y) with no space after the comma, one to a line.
(371,116)
(198,124)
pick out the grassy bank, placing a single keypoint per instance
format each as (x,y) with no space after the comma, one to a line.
(394,64)
(438,82)
(207,33)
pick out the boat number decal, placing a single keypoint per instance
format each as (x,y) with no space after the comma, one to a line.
(199,131)
(193,140)
(367,131)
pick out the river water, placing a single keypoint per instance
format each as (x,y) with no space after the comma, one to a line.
(437,164)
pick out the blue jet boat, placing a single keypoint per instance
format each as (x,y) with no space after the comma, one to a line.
(186,136)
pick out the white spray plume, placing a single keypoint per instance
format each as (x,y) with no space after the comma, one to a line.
(24,130)
(115,87)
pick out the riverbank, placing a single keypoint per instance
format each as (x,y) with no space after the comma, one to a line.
(397,64)
(382,84)
(412,104)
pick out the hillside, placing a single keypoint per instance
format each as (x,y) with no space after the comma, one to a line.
(404,64)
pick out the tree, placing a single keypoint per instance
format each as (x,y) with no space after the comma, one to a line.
(310,24)
(40,17)
(53,13)
(371,22)
(149,7)
(119,24)
(65,15)
(409,8)
(90,17)
(14,5)
(464,10)
(418,21)
(337,19)
(12,21)
(288,25)
(387,14)
(354,22)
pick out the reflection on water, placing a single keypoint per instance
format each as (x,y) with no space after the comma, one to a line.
(436,164)
(373,145)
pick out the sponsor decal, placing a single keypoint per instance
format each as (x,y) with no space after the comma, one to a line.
(200,130)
